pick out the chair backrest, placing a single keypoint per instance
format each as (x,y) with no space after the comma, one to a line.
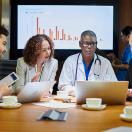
(6,67)
(55,88)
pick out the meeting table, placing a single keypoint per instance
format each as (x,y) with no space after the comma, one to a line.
(24,119)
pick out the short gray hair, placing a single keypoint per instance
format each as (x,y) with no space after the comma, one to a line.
(88,33)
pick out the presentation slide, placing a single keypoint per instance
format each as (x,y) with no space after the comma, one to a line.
(64,24)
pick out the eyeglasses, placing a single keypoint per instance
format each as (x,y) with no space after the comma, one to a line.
(86,44)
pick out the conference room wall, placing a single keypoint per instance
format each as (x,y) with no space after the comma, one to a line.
(124,18)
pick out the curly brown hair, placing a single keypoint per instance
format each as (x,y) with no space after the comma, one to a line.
(33,47)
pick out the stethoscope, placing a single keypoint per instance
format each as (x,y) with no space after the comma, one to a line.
(97,67)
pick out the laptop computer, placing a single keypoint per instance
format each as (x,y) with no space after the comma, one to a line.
(111,92)
(34,91)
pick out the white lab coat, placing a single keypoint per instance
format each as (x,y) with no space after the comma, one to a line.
(68,73)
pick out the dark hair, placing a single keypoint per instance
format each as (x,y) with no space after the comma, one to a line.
(3,30)
(33,47)
(88,33)
(126,30)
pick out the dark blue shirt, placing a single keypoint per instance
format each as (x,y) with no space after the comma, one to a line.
(127,55)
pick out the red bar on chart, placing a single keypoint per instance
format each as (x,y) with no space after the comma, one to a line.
(37,24)
(43,31)
(56,33)
(68,37)
(62,34)
(39,30)
(51,33)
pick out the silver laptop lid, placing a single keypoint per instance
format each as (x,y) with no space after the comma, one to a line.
(111,92)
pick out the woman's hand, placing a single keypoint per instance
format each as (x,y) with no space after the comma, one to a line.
(36,77)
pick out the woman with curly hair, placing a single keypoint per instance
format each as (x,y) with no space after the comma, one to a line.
(37,63)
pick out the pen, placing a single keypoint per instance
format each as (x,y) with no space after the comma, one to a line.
(36,69)
(37,72)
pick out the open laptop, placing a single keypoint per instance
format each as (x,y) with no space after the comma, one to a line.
(111,92)
(34,91)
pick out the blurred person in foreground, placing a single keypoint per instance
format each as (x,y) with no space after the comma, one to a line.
(4,89)
(129,78)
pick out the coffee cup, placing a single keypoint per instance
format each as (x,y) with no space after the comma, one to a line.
(62,94)
(128,111)
(93,102)
(10,100)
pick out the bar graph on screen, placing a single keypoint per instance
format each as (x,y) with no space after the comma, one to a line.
(55,33)
(64,24)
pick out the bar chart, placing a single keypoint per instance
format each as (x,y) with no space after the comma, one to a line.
(64,24)
(55,33)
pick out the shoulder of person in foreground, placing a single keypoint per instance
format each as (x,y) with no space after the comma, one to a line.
(129,74)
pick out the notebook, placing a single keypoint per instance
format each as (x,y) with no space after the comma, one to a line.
(34,91)
(111,92)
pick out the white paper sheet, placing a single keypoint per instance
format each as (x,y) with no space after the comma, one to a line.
(56,104)
(119,129)
(33,91)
